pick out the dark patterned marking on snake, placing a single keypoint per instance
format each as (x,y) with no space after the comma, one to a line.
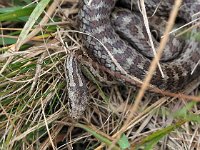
(95,20)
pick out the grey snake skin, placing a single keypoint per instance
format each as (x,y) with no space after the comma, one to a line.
(95,20)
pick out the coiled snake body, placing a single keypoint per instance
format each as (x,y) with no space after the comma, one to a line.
(95,21)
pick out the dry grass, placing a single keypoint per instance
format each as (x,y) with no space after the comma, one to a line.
(33,95)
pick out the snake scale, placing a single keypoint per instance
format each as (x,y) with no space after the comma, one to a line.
(95,22)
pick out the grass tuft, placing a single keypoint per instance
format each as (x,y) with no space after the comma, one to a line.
(33,101)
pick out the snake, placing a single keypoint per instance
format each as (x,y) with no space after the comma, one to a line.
(103,37)
(95,21)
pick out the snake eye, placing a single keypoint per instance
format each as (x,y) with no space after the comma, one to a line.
(155,34)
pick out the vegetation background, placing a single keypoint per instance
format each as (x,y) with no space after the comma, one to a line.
(35,38)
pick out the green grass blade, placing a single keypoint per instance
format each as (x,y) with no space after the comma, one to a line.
(98,136)
(123,142)
(10,9)
(7,41)
(32,19)
(185,113)
(16,14)
(151,140)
